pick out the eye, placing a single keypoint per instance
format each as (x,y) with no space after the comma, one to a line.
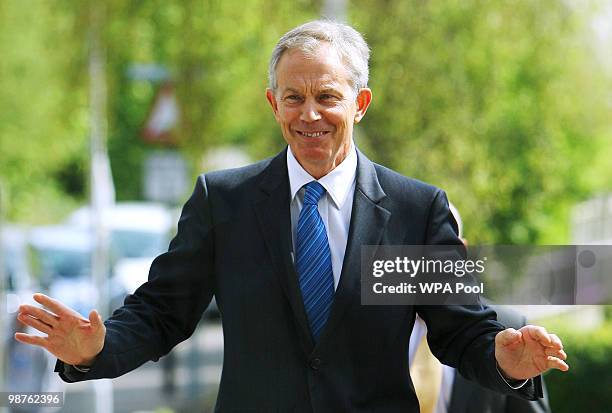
(328,98)
(293,98)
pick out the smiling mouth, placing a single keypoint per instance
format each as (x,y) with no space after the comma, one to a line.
(315,134)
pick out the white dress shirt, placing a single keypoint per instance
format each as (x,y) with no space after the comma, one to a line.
(335,206)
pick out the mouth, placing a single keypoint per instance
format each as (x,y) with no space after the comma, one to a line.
(313,134)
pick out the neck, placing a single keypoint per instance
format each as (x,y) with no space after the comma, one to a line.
(317,173)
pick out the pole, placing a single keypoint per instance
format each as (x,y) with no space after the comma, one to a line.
(101,193)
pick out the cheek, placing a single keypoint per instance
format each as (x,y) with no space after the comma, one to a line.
(344,113)
(288,110)
(338,118)
(287,116)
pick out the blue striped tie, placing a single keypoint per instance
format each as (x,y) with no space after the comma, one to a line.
(314,261)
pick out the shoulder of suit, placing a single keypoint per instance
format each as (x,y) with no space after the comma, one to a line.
(235,176)
(394,183)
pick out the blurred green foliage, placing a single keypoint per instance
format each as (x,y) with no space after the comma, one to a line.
(503,104)
(586,386)
(43,109)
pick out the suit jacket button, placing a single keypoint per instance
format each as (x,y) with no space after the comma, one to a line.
(315,363)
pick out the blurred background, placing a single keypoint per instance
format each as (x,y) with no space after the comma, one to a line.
(109,110)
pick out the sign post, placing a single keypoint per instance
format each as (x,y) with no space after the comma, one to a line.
(101,185)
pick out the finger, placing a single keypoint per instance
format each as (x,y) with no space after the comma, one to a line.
(34,322)
(540,334)
(556,363)
(50,303)
(30,339)
(556,341)
(40,313)
(509,336)
(556,353)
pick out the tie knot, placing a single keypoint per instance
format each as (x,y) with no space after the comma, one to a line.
(314,192)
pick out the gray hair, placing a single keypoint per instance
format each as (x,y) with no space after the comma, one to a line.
(307,38)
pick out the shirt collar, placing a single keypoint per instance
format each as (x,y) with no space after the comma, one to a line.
(337,183)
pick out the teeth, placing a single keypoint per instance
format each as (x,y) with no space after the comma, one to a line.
(313,134)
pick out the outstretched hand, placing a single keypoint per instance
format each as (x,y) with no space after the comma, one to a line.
(70,337)
(528,352)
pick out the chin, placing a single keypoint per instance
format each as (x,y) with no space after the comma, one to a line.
(313,155)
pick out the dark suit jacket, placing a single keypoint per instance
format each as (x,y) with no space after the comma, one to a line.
(234,241)
(469,397)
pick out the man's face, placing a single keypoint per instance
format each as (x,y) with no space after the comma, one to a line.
(316,108)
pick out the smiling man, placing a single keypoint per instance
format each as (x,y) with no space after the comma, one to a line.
(316,103)
(278,243)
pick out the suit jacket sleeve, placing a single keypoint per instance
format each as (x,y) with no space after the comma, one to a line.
(463,337)
(167,308)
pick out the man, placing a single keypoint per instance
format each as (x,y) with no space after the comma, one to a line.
(278,244)
(446,390)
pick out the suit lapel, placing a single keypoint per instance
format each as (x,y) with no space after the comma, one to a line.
(368,224)
(274,216)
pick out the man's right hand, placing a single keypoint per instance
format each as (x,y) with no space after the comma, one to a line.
(69,337)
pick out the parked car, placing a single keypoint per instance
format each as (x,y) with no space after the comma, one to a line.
(13,241)
(139,231)
(61,258)
(28,368)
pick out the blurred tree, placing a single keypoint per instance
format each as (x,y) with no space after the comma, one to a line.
(43,109)
(500,103)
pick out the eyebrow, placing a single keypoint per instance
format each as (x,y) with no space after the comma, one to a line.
(326,89)
(331,90)
(291,90)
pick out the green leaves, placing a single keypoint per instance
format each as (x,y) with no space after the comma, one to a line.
(488,100)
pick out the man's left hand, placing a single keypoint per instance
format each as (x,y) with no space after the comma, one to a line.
(528,352)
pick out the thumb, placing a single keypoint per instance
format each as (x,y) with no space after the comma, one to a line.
(95,319)
(509,336)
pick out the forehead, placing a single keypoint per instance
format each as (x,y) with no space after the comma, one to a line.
(323,67)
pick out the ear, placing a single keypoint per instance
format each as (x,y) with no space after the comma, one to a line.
(272,99)
(363,101)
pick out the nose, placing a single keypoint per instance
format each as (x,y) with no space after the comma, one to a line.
(310,112)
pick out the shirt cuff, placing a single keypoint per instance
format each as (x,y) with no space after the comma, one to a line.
(514,384)
(84,369)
